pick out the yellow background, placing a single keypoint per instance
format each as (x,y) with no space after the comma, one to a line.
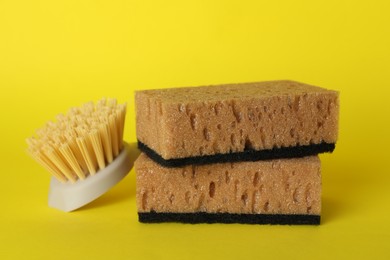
(58,54)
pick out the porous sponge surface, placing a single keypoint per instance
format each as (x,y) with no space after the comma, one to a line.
(221,119)
(285,186)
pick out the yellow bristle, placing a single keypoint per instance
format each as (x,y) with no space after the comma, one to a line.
(66,151)
(88,155)
(80,142)
(59,162)
(114,134)
(96,142)
(77,153)
(104,131)
(41,159)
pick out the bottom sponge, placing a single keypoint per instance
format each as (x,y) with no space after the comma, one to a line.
(282,191)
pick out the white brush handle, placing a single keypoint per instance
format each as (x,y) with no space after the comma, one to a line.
(71,196)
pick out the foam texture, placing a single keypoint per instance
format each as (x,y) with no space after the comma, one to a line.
(235,118)
(263,189)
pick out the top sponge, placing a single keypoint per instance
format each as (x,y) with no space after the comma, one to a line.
(234,122)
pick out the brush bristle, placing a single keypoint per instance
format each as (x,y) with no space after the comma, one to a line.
(81,142)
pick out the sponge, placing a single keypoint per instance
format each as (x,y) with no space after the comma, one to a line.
(236,122)
(282,191)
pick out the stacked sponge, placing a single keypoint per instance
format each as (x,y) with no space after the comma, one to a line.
(235,153)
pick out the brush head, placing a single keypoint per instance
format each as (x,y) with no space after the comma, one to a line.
(79,145)
(70,196)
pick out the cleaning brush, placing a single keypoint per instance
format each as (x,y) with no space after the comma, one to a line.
(84,151)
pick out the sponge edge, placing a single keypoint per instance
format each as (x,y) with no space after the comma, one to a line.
(70,196)
(229,218)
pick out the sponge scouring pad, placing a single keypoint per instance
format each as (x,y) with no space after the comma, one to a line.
(236,122)
(284,191)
